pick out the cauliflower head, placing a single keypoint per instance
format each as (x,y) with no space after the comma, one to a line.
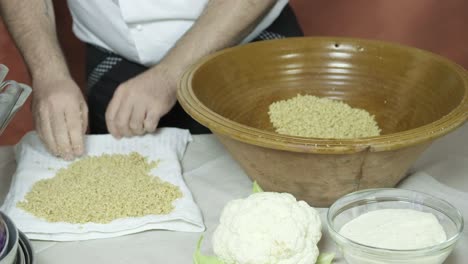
(268,228)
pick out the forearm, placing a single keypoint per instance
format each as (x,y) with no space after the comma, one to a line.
(32,25)
(224,23)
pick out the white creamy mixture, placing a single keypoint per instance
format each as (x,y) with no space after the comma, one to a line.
(399,229)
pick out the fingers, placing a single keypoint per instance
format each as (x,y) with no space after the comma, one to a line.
(74,126)
(111,114)
(60,115)
(151,121)
(60,132)
(118,116)
(38,126)
(43,126)
(136,119)
(136,107)
(122,120)
(84,116)
(66,124)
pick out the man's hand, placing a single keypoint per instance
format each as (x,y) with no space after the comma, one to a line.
(139,103)
(60,115)
(59,110)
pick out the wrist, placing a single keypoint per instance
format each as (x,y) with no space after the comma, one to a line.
(49,71)
(173,71)
(169,74)
(47,83)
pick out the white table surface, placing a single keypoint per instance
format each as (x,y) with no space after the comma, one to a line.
(215,179)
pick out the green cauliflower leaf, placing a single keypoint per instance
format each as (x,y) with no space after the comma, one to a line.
(325,258)
(199,258)
(256,188)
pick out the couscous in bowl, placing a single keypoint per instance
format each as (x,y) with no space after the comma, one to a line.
(415,96)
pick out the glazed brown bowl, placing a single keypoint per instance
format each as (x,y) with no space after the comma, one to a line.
(416,97)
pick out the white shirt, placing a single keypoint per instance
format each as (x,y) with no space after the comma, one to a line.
(143,31)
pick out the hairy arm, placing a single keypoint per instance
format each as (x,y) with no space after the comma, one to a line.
(224,23)
(59,110)
(32,25)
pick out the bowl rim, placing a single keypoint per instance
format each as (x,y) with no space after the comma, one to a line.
(377,250)
(3,251)
(219,124)
(27,247)
(14,233)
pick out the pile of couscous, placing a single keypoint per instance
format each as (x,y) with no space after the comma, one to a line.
(311,116)
(100,189)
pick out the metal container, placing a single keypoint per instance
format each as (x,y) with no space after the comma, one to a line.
(26,248)
(19,249)
(14,245)
(3,238)
(13,242)
(12,96)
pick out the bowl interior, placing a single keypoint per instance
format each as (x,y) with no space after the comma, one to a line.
(404,88)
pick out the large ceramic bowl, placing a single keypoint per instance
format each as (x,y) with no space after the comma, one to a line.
(415,96)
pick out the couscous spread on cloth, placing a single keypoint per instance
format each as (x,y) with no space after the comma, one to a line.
(100,189)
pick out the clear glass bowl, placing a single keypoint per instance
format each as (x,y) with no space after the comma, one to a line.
(355,204)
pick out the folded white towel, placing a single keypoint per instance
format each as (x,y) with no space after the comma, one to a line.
(34,163)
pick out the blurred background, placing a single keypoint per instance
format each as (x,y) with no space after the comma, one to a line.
(434,25)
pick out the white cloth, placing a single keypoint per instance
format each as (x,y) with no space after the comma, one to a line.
(167,146)
(143,30)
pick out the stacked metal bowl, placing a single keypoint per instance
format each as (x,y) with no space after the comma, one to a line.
(15,247)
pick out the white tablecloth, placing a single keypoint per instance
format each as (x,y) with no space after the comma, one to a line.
(215,179)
